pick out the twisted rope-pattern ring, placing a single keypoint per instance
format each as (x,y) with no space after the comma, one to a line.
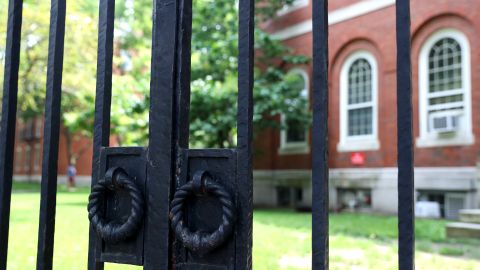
(201,242)
(114,231)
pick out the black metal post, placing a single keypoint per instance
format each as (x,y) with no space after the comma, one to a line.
(182,92)
(406,199)
(7,125)
(51,135)
(245,131)
(161,145)
(101,132)
(320,137)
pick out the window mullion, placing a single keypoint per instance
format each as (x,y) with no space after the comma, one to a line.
(359,106)
(445,93)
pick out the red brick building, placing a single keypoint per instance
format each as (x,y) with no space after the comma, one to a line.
(29,148)
(362,108)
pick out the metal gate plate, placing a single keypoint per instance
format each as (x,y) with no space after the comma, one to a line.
(118,203)
(204,213)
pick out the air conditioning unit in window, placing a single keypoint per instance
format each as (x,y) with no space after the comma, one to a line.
(445,121)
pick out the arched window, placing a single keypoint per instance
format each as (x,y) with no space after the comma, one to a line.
(358,103)
(444,82)
(294,137)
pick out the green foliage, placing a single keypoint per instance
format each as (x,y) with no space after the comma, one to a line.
(79,62)
(79,67)
(214,75)
(451,251)
(214,65)
(131,81)
(214,70)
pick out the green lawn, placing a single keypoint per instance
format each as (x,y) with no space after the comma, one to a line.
(281,238)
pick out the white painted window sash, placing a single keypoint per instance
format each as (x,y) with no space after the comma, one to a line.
(368,142)
(446,93)
(445,106)
(27,155)
(465,135)
(362,105)
(300,147)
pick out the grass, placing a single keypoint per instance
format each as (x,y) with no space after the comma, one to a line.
(281,238)
(451,251)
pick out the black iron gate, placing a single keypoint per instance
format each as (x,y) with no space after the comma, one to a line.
(166,206)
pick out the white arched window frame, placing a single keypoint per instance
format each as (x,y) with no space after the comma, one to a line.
(36,157)
(464,135)
(366,142)
(18,159)
(27,158)
(298,147)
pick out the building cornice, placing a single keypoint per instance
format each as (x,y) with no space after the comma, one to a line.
(334,17)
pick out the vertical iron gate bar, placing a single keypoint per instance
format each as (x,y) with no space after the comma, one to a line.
(182,104)
(181,109)
(182,93)
(406,200)
(7,125)
(101,132)
(245,131)
(51,137)
(160,151)
(320,136)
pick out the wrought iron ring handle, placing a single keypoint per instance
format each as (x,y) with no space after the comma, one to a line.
(201,242)
(113,231)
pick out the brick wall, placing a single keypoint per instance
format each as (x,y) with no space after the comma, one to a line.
(34,166)
(375,32)
(302,14)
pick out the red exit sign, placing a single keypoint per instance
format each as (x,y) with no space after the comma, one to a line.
(357,158)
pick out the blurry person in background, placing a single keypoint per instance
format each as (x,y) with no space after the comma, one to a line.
(71,173)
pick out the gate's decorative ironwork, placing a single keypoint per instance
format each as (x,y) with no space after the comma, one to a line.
(202,242)
(112,231)
(139,212)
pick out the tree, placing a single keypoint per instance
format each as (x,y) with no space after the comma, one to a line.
(129,107)
(79,67)
(214,69)
(214,74)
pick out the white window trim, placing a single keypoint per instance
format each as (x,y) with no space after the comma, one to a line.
(38,127)
(464,137)
(27,157)
(287,148)
(18,159)
(36,157)
(298,4)
(366,142)
(337,16)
